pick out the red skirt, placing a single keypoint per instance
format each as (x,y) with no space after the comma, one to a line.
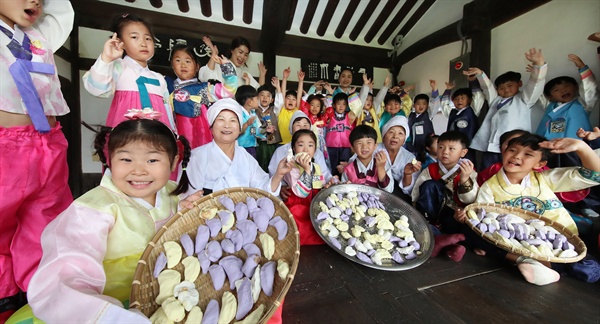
(300,208)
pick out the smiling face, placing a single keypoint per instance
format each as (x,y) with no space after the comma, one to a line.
(394,138)
(20,12)
(184,65)
(461,101)
(369,102)
(563,92)
(226,127)
(138,42)
(345,79)
(520,160)
(509,89)
(305,144)
(392,107)
(315,107)
(420,106)
(265,98)
(140,170)
(239,55)
(364,148)
(449,152)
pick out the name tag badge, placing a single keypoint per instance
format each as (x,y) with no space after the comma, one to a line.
(558,126)
(419,130)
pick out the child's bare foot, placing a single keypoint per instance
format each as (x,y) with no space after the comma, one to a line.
(536,273)
(479,252)
(442,241)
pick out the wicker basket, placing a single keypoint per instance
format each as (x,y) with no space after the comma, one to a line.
(145,287)
(580,247)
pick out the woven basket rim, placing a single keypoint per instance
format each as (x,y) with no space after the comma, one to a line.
(293,230)
(574,239)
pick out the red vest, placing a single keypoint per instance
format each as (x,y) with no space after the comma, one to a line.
(434,172)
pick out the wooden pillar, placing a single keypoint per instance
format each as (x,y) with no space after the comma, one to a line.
(477,23)
(274,25)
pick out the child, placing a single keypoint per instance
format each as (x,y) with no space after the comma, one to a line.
(33,162)
(91,250)
(269,108)
(429,155)
(190,97)
(247,97)
(339,127)
(566,112)
(419,124)
(484,175)
(291,101)
(509,108)
(134,85)
(314,110)
(299,121)
(517,185)
(305,180)
(396,104)
(369,168)
(372,107)
(445,186)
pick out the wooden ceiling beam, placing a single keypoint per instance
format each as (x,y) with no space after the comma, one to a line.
(183,5)
(248,11)
(327,15)
(341,28)
(383,16)
(156,3)
(500,12)
(206,8)
(273,31)
(362,21)
(309,14)
(293,5)
(416,16)
(228,10)
(400,15)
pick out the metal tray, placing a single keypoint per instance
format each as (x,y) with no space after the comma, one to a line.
(395,207)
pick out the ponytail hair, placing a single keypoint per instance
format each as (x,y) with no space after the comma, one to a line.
(184,182)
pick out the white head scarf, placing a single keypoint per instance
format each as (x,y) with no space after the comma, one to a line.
(224,104)
(396,121)
(298,114)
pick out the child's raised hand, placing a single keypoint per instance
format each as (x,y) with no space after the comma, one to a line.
(450,85)
(286,73)
(409,88)
(563,145)
(411,168)
(113,49)
(351,89)
(246,78)
(535,56)
(366,80)
(575,59)
(188,202)
(588,136)
(275,82)
(387,81)
(380,159)
(327,87)
(220,59)
(262,69)
(472,71)
(301,75)
(466,168)
(433,85)
(284,167)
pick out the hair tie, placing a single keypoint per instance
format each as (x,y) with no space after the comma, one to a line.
(125,15)
(183,169)
(146,113)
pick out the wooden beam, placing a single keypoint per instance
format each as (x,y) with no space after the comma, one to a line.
(416,16)
(228,10)
(248,11)
(309,14)
(327,15)
(477,20)
(293,5)
(183,5)
(500,12)
(73,119)
(64,53)
(206,8)
(383,16)
(400,15)
(273,32)
(341,28)
(156,3)
(360,24)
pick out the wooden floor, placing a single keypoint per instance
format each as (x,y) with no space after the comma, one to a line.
(328,288)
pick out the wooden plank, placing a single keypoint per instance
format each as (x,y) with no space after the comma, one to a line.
(360,24)
(327,15)
(227,9)
(341,28)
(183,5)
(426,310)
(248,11)
(206,8)
(416,16)
(309,14)
(293,5)
(400,15)
(156,3)
(383,16)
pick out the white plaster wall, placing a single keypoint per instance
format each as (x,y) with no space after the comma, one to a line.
(559,28)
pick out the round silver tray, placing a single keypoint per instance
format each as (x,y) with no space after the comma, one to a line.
(395,207)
